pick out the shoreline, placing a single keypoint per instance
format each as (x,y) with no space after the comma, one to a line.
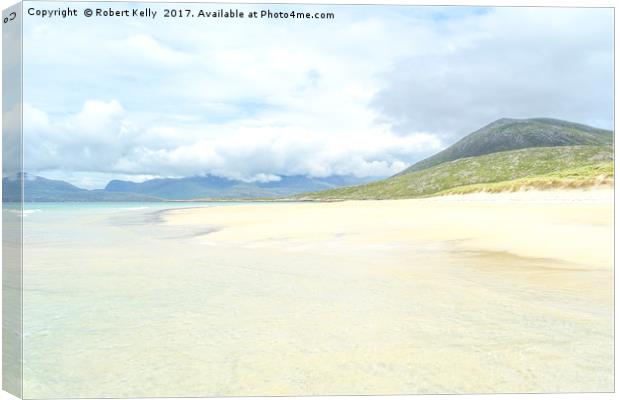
(504,193)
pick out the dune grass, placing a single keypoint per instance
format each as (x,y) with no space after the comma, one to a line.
(572,178)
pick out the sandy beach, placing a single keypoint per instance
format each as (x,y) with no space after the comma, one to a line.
(569,226)
(482,293)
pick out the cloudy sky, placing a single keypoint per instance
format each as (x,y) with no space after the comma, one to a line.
(366,94)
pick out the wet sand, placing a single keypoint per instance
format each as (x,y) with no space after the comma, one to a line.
(465,294)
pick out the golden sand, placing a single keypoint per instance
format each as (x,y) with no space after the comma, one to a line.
(571,226)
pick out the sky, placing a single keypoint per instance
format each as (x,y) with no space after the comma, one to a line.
(366,94)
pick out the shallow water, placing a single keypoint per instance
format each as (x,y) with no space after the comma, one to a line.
(118,304)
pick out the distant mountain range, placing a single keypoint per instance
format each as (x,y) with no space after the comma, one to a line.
(507,154)
(215,187)
(38,189)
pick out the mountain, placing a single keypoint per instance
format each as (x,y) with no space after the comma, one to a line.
(505,155)
(37,188)
(513,134)
(542,167)
(222,188)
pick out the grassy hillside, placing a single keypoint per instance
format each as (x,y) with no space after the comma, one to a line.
(572,178)
(513,134)
(577,164)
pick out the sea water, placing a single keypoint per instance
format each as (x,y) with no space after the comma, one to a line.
(118,303)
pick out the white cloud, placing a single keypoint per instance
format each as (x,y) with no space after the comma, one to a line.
(98,119)
(142,48)
(511,62)
(251,150)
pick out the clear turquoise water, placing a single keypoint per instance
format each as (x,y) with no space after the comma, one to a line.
(81,207)
(70,224)
(46,213)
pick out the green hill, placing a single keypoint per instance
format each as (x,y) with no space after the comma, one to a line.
(537,167)
(513,134)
